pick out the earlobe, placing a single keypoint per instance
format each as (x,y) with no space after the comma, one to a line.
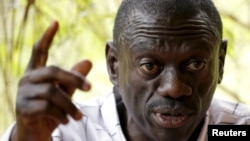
(112,62)
(222,56)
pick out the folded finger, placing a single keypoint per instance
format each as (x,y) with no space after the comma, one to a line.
(59,76)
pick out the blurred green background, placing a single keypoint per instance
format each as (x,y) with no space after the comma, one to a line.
(85,26)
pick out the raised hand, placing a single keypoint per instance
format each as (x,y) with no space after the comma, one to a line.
(44,93)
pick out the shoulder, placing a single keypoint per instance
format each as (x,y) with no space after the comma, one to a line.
(228,112)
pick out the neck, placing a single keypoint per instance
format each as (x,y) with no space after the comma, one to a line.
(121,111)
(129,128)
(197,131)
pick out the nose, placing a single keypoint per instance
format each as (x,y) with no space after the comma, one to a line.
(173,86)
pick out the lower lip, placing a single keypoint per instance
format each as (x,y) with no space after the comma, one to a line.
(171,121)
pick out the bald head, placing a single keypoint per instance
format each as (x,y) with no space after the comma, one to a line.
(164,9)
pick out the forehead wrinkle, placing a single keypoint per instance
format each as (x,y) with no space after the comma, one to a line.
(142,44)
(191,27)
(154,26)
(165,28)
(185,32)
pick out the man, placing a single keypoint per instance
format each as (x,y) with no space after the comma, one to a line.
(165,61)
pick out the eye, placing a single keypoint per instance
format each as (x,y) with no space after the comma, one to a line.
(150,68)
(196,65)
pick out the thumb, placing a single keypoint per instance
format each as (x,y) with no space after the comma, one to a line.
(82,68)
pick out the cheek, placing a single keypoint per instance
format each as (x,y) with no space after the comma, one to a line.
(135,92)
(205,89)
(132,90)
(127,83)
(206,84)
(206,94)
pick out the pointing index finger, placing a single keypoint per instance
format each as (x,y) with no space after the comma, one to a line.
(40,49)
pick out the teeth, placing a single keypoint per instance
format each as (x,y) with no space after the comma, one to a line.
(171,121)
(173,118)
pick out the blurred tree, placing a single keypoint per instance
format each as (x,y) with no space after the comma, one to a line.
(236,20)
(84,28)
(85,25)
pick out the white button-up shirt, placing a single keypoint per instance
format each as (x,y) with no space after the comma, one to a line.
(101,121)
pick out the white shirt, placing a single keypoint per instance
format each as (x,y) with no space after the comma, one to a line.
(101,122)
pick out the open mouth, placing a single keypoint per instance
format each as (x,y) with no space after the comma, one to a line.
(171,121)
(171,114)
(169,117)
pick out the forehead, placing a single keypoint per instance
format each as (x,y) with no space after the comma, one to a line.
(171,28)
(149,44)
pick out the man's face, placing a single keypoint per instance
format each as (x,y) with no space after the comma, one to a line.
(168,73)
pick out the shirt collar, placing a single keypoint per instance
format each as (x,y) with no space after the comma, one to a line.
(203,133)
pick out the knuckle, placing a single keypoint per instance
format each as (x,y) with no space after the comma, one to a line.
(25,78)
(22,81)
(51,90)
(20,102)
(29,107)
(53,70)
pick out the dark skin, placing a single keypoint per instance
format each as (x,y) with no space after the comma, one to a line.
(166,81)
(44,93)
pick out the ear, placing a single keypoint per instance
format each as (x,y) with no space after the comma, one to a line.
(222,56)
(112,62)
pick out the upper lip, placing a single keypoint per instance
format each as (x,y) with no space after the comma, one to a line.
(172,111)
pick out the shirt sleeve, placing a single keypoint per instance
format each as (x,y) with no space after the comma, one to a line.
(7,134)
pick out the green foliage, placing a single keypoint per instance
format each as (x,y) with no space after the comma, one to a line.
(236,20)
(85,25)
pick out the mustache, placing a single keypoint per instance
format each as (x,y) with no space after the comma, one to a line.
(169,107)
